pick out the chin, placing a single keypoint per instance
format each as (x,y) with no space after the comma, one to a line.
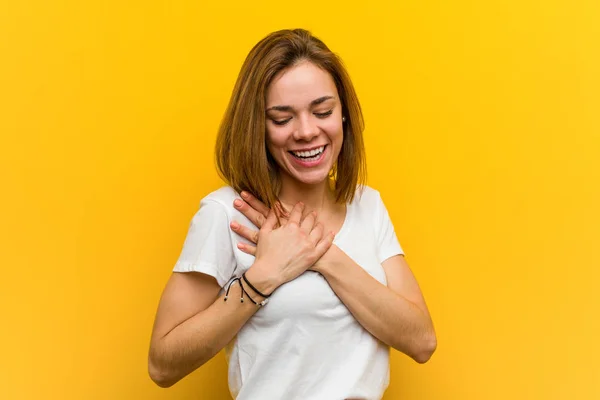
(311,179)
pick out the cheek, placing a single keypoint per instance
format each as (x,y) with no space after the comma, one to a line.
(275,143)
(276,138)
(335,131)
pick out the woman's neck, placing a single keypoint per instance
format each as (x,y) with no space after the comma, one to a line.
(318,197)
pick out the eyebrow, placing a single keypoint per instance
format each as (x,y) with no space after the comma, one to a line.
(312,103)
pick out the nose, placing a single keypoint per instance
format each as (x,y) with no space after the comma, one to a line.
(306,129)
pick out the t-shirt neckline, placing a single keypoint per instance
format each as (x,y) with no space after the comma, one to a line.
(342,232)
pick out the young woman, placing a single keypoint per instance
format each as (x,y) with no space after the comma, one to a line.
(308,306)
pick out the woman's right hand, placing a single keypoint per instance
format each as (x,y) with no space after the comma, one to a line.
(285,252)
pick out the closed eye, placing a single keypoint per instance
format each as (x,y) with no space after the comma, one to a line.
(325,114)
(281,122)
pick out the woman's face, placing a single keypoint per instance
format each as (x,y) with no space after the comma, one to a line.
(304,122)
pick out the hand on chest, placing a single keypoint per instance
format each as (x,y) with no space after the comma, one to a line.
(309,296)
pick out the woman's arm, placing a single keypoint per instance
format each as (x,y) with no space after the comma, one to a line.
(192,324)
(396,314)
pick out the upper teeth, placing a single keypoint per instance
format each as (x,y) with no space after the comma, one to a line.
(310,153)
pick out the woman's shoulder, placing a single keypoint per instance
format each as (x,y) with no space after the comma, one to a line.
(366,196)
(224,196)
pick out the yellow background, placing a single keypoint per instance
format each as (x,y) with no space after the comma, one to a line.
(483,137)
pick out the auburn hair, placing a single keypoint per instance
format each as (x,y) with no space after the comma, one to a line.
(241,154)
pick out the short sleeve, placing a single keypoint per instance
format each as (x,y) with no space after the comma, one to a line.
(388,244)
(208,245)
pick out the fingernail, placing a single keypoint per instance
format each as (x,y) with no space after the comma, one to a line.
(245,195)
(240,246)
(237,202)
(301,204)
(235,225)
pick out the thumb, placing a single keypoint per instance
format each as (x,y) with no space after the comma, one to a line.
(324,244)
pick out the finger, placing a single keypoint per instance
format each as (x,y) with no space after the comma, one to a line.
(282,212)
(255,203)
(269,224)
(324,244)
(296,213)
(253,215)
(308,222)
(245,232)
(247,248)
(316,233)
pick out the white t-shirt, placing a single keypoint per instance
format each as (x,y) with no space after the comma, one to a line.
(304,344)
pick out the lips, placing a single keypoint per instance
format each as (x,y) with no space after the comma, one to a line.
(315,157)
(309,155)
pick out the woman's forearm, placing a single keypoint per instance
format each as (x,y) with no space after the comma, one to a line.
(196,340)
(387,315)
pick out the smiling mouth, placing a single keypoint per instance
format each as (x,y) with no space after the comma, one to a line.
(311,155)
